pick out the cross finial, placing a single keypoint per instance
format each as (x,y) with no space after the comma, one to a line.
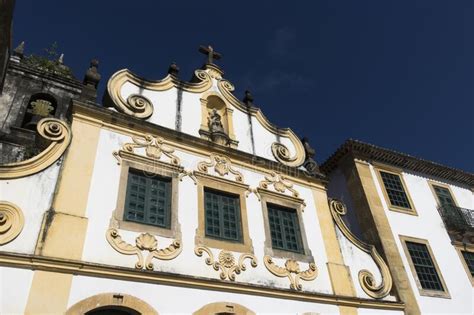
(210,52)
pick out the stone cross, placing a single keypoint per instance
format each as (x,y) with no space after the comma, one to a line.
(210,52)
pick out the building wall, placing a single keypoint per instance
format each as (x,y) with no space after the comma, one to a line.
(428,225)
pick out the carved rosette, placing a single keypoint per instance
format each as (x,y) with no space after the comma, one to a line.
(279,182)
(291,271)
(155,148)
(226,262)
(139,106)
(366,278)
(144,242)
(222,166)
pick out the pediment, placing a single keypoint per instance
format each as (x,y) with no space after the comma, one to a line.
(187,106)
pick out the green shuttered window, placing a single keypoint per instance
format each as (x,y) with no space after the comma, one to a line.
(222,212)
(469,258)
(148,199)
(395,191)
(284,228)
(424,266)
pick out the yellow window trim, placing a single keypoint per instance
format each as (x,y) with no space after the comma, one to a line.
(425,292)
(399,173)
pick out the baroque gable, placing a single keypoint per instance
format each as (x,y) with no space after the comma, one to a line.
(204,107)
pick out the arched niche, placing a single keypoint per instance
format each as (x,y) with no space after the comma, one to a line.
(223,308)
(217,120)
(111,303)
(40,105)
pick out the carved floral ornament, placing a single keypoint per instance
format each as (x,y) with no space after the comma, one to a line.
(292,271)
(222,166)
(226,262)
(11,222)
(55,135)
(366,278)
(143,242)
(155,148)
(279,182)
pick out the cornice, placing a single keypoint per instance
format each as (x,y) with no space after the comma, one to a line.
(124,123)
(82,268)
(371,153)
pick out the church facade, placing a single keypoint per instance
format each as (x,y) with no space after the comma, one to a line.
(175,196)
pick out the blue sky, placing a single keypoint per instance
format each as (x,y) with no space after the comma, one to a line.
(398,74)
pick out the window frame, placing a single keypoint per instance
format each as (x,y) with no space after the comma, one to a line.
(442,185)
(425,292)
(239,215)
(225,186)
(286,201)
(465,248)
(136,162)
(391,207)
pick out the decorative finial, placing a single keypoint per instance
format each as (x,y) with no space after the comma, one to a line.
(211,53)
(248,98)
(19,50)
(310,164)
(173,69)
(91,81)
(61,59)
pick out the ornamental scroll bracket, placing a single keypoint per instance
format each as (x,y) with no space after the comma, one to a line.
(11,222)
(226,262)
(366,278)
(292,271)
(222,166)
(143,242)
(137,105)
(279,182)
(55,135)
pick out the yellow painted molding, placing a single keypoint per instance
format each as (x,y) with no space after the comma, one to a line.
(104,119)
(57,135)
(11,221)
(49,293)
(76,267)
(366,278)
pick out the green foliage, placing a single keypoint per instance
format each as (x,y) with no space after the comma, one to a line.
(48,62)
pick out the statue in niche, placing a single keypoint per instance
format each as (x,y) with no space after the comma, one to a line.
(215,123)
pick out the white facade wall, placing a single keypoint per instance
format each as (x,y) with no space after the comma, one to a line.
(102,202)
(33,195)
(429,225)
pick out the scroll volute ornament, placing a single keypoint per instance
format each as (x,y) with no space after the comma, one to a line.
(143,242)
(292,271)
(366,278)
(138,106)
(11,222)
(55,136)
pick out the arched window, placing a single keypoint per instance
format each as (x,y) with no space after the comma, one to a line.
(40,105)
